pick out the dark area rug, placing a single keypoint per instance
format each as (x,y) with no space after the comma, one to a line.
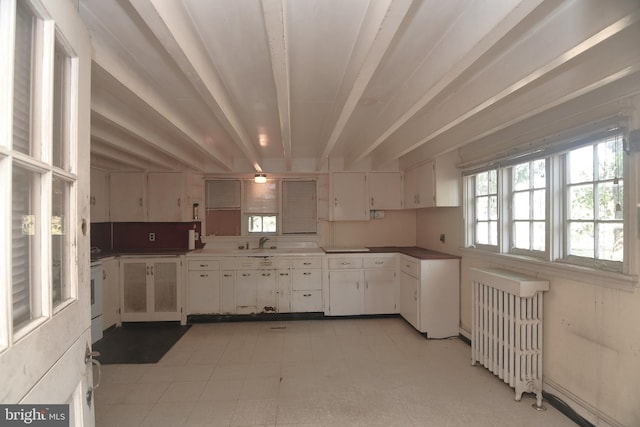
(143,342)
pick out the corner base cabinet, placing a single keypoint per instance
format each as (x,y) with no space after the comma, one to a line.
(151,289)
(430,295)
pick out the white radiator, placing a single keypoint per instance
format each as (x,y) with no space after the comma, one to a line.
(507,328)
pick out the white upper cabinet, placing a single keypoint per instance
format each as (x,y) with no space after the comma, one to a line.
(385,190)
(127,196)
(434,183)
(165,196)
(99,196)
(348,199)
(153,196)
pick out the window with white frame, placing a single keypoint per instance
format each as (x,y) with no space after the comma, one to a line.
(261,206)
(285,206)
(38,163)
(528,206)
(509,207)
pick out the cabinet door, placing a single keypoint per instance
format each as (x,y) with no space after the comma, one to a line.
(385,190)
(203,292)
(380,292)
(165,196)
(134,298)
(227,292)
(266,291)
(409,299)
(246,291)
(127,196)
(99,192)
(111,293)
(283,290)
(346,292)
(349,197)
(426,186)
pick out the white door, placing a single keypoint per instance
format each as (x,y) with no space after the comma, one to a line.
(45,60)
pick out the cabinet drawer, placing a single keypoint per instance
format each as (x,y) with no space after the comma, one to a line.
(379,262)
(306,279)
(410,267)
(204,265)
(306,301)
(255,263)
(306,263)
(342,263)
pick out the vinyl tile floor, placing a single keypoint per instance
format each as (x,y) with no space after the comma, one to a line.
(338,372)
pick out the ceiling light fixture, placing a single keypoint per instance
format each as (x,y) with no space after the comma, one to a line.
(260,178)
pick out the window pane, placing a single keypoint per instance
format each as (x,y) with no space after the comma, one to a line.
(521,208)
(581,242)
(610,159)
(610,241)
(581,165)
(59,241)
(482,233)
(521,177)
(539,173)
(521,237)
(61,125)
(255,224)
(482,183)
(493,207)
(482,208)
(581,202)
(538,239)
(493,181)
(493,233)
(22,75)
(609,196)
(269,224)
(25,226)
(539,202)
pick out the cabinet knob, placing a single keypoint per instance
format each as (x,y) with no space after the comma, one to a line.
(372,203)
(306,263)
(246,274)
(227,275)
(204,265)
(284,274)
(307,273)
(306,295)
(204,275)
(266,274)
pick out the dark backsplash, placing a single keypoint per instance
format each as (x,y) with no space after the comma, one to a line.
(123,236)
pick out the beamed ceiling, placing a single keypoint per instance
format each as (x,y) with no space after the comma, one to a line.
(310,85)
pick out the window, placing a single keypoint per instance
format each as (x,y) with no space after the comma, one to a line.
(39,165)
(484,190)
(261,206)
(528,206)
(594,192)
(279,206)
(509,207)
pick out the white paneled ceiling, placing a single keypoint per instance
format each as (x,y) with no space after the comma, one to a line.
(304,85)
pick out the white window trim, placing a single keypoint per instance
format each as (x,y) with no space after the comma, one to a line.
(555,266)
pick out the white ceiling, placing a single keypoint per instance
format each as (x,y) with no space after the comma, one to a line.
(306,85)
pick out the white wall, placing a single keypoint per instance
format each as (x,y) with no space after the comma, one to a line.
(591,332)
(398,228)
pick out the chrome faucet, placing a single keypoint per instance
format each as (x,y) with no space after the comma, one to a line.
(262,241)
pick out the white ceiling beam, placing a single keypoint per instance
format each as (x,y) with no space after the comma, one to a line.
(429,124)
(135,128)
(170,23)
(111,61)
(380,29)
(275,18)
(110,134)
(106,151)
(454,39)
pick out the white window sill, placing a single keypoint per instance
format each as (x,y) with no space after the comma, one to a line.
(542,268)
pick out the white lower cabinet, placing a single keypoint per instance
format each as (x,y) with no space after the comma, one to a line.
(228,292)
(283,291)
(151,289)
(430,295)
(306,284)
(110,292)
(203,287)
(362,284)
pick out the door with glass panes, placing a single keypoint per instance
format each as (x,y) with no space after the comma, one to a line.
(45,62)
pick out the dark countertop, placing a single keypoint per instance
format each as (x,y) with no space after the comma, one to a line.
(413,251)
